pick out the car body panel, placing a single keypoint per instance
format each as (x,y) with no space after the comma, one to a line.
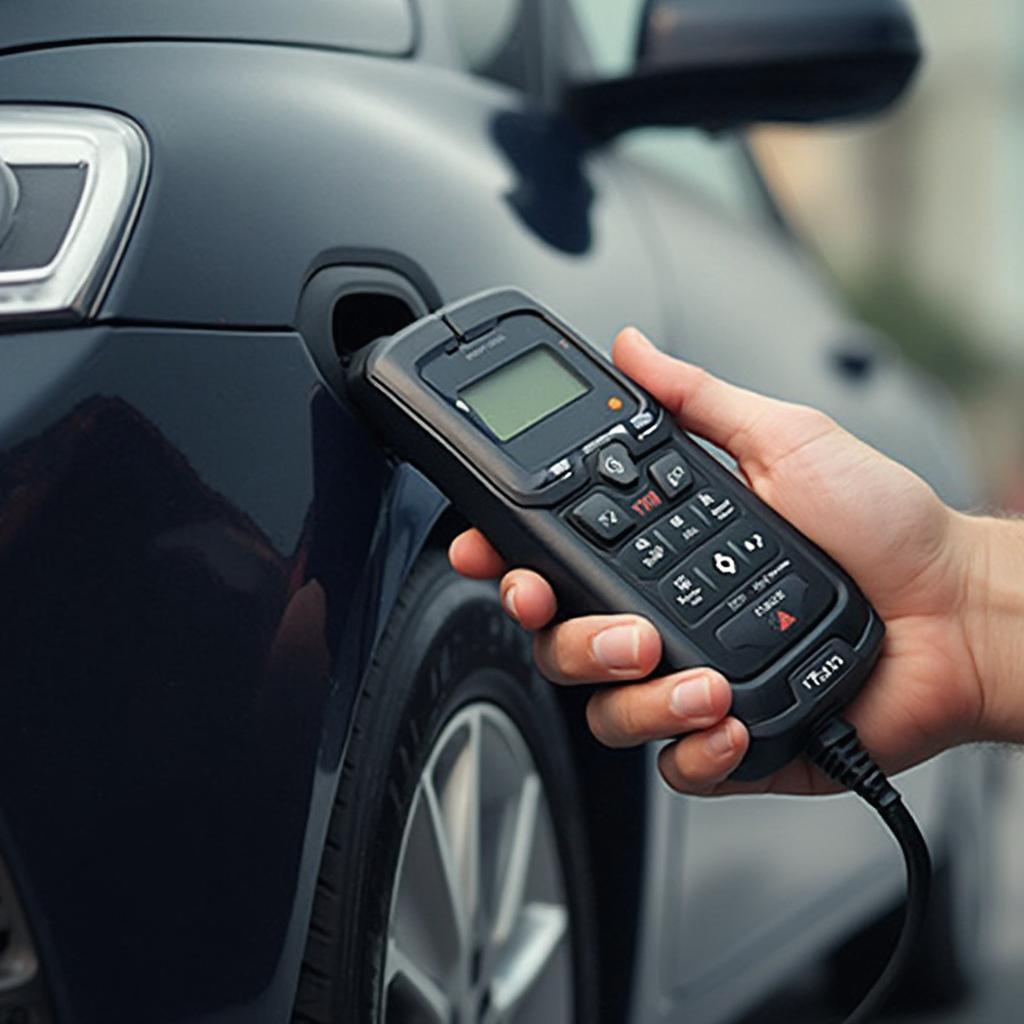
(192,585)
(236,218)
(743,891)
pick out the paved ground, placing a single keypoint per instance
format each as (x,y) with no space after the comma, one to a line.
(1000,998)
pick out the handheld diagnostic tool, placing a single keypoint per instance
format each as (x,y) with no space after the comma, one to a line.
(572,470)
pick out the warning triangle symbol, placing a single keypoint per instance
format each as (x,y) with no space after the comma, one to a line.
(785,620)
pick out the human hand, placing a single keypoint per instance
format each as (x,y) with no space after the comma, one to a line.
(904,547)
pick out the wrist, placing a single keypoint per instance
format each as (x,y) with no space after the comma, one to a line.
(992,618)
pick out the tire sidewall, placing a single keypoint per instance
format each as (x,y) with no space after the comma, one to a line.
(449,645)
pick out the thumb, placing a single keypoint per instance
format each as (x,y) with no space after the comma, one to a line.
(728,416)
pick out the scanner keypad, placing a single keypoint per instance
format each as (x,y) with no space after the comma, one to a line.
(714,567)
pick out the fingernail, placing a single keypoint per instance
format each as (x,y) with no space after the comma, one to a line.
(720,741)
(617,648)
(691,698)
(509,602)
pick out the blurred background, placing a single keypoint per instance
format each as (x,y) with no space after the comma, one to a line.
(918,220)
(919,217)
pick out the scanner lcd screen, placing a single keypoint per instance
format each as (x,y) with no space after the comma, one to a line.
(523,392)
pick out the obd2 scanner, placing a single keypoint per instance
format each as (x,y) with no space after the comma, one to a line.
(572,470)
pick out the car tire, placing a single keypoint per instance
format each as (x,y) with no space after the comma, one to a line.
(452,685)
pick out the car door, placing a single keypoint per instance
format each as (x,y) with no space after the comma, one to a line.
(729,878)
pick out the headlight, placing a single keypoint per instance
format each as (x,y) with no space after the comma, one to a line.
(71,181)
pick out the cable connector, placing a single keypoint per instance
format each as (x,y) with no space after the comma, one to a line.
(837,751)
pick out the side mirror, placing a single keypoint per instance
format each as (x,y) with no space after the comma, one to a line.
(720,64)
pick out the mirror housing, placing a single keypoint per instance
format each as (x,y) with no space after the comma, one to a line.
(720,64)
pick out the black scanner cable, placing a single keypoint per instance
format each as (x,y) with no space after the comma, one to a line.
(837,751)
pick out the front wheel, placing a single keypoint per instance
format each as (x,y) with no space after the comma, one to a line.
(479,922)
(447,895)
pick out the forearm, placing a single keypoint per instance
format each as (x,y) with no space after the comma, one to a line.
(993,621)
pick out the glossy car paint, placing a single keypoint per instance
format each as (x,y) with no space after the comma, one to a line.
(193,556)
(198,543)
(288,169)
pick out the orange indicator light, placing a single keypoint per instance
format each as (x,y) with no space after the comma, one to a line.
(615,403)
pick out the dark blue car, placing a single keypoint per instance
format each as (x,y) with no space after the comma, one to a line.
(263,757)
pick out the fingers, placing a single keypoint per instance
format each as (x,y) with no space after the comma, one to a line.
(622,647)
(471,554)
(625,716)
(699,765)
(528,598)
(525,596)
(598,648)
(701,762)
(695,702)
(726,415)
(694,705)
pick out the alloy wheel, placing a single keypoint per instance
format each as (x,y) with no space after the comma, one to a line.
(479,924)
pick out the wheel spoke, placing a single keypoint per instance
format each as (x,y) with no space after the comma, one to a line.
(539,930)
(417,983)
(478,924)
(452,882)
(513,885)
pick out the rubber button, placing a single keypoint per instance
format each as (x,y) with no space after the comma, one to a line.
(684,528)
(602,518)
(616,466)
(771,621)
(687,595)
(721,565)
(752,542)
(714,505)
(648,555)
(671,474)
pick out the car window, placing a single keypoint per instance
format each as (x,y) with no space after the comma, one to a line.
(717,165)
(498,39)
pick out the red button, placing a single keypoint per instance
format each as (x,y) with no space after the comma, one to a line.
(766,623)
(785,620)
